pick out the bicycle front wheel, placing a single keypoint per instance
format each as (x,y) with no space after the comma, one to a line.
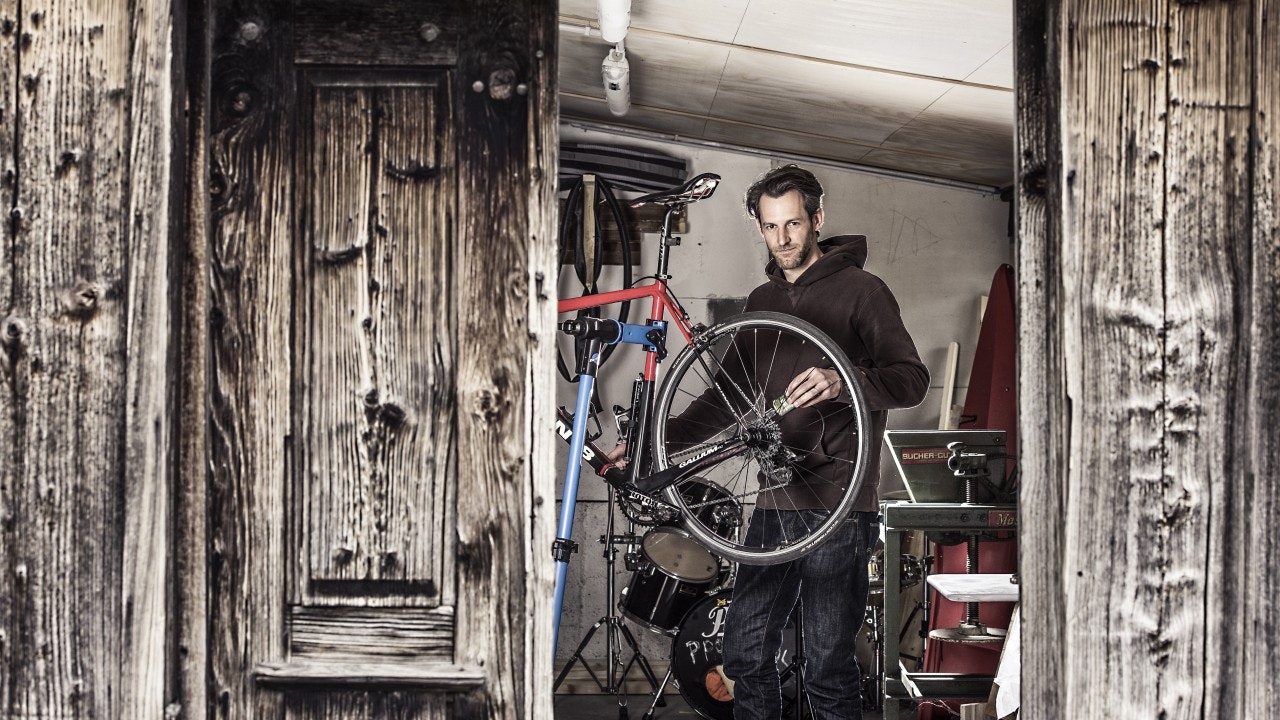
(809,462)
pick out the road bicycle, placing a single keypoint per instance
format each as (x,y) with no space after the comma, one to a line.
(711,450)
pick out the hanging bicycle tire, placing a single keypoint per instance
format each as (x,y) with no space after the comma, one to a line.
(719,392)
(573,234)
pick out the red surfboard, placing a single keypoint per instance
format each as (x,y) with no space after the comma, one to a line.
(990,403)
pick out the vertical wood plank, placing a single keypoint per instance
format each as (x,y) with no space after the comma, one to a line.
(416,187)
(149,182)
(68,334)
(251,249)
(497,490)
(190,646)
(1114,322)
(1197,537)
(543,266)
(1044,405)
(1166,258)
(340,371)
(1255,464)
(13,324)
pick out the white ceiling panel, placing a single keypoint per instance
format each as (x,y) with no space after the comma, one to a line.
(965,121)
(764,88)
(981,170)
(716,20)
(916,86)
(785,141)
(660,65)
(937,38)
(577,107)
(996,72)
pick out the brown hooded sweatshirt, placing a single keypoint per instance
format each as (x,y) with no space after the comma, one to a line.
(854,308)
(861,315)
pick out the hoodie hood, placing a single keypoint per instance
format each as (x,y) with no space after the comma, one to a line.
(838,252)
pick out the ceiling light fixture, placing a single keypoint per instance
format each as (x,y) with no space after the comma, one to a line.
(617,80)
(615,18)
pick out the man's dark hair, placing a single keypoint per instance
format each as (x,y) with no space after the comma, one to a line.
(780,181)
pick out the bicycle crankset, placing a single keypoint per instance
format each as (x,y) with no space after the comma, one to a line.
(645,510)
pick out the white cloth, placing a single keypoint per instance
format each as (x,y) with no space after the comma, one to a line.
(983,587)
(1009,672)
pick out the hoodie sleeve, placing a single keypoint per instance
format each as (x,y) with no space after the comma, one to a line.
(892,374)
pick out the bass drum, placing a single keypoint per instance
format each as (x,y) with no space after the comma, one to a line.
(697,659)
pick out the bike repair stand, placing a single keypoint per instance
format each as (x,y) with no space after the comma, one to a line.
(616,632)
(596,333)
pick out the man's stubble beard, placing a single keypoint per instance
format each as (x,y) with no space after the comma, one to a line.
(805,251)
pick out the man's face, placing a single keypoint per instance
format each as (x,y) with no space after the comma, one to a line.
(789,232)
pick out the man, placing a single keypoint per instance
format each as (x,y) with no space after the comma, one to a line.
(823,283)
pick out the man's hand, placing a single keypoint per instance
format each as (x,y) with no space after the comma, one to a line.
(813,386)
(615,456)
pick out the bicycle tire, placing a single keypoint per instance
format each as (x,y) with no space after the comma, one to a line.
(726,381)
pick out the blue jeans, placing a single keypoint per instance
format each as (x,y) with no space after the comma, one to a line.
(831,583)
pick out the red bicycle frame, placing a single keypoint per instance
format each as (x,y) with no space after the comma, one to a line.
(661,302)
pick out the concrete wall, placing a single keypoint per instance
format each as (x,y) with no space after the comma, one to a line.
(937,247)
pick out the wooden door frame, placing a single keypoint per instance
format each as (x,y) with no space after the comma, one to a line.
(1148,130)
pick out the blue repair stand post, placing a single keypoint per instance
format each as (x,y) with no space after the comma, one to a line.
(597,333)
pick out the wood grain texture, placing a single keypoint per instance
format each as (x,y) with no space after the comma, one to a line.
(409,634)
(1253,460)
(1195,605)
(543,141)
(504,624)
(150,205)
(190,646)
(383,32)
(377,355)
(13,325)
(1044,405)
(85,462)
(1144,544)
(251,251)
(368,706)
(1114,324)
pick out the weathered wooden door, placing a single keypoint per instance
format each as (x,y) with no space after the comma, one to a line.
(379,210)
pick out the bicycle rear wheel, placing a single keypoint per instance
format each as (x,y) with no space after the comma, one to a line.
(723,387)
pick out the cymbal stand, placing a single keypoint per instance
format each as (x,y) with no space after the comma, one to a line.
(801,705)
(875,635)
(616,631)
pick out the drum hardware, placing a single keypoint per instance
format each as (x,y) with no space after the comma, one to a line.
(674,551)
(616,632)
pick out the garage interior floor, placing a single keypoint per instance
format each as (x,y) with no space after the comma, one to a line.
(604,707)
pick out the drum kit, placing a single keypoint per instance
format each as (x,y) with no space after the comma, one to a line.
(681,590)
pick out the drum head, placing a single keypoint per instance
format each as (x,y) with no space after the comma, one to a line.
(673,551)
(697,658)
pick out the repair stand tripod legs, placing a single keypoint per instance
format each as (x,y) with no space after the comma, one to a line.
(615,633)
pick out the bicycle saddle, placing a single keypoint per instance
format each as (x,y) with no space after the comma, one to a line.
(699,188)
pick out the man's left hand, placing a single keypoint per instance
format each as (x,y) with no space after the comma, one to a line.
(813,386)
